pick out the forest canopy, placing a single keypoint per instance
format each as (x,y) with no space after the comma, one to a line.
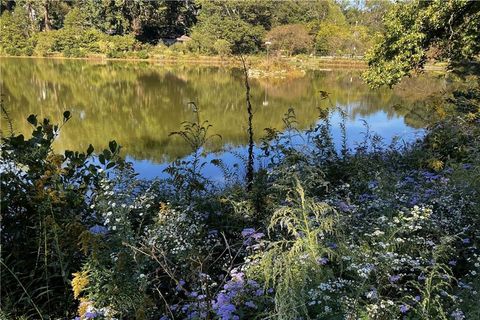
(416,31)
(84,27)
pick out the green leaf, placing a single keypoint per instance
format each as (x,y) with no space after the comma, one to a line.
(113,146)
(66,115)
(90,149)
(111,165)
(101,158)
(107,154)
(32,119)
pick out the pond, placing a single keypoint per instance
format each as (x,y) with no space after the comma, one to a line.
(139,104)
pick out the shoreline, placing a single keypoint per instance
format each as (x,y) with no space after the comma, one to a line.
(222,60)
(322,63)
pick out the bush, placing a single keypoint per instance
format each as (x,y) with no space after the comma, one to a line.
(15,36)
(120,46)
(293,38)
(46,43)
(222,47)
(333,39)
(143,54)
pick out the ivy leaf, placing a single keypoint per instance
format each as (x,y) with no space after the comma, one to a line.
(90,149)
(32,119)
(113,146)
(66,115)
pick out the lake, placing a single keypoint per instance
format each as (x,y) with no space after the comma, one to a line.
(139,104)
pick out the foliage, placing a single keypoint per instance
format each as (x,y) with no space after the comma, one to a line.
(374,232)
(451,28)
(216,27)
(293,39)
(44,211)
(15,34)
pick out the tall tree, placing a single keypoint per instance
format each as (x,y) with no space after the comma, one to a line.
(413,28)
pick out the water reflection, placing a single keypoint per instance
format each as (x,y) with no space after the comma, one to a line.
(139,104)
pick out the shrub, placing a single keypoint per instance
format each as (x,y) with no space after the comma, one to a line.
(333,39)
(46,43)
(15,39)
(222,47)
(44,197)
(293,38)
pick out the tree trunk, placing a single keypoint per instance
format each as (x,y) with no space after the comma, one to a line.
(46,21)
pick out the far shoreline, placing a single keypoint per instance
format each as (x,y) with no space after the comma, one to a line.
(323,63)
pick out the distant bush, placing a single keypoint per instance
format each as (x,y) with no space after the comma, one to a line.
(120,46)
(293,38)
(222,47)
(143,54)
(335,39)
(15,35)
(46,43)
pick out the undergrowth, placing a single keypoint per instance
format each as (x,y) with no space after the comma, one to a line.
(325,232)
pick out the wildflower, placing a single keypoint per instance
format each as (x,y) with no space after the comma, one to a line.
(247,232)
(417,298)
(180,285)
(344,207)
(404,308)
(466,240)
(452,262)
(258,292)
(97,229)
(90,315)
(457,314)
(372,294)
(322,261)
(250,304)
(394,278)
(332,245)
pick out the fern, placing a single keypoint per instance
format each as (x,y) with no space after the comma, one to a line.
(291,264)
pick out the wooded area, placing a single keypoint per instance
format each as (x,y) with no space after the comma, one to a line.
(81,27)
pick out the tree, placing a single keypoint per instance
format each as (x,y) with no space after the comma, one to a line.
(413,28)
(15,36)
(227,20)
(293,38)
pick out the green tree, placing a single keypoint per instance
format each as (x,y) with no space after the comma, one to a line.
(15,36)
(450,27)
(228,21)
(293,38)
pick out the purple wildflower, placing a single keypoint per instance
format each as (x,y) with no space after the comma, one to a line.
(322,261)
(247,232)
(344,206)
(250,304)
(457,314)
(466,241)
(97,229)
(225,311)
(90,315)
(404,308)
(332,245)
(394,278)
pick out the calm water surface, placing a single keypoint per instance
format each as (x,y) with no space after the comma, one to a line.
(140,104)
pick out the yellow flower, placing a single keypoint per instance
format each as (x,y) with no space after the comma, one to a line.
(83,307)
(79,282)
(436,164)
